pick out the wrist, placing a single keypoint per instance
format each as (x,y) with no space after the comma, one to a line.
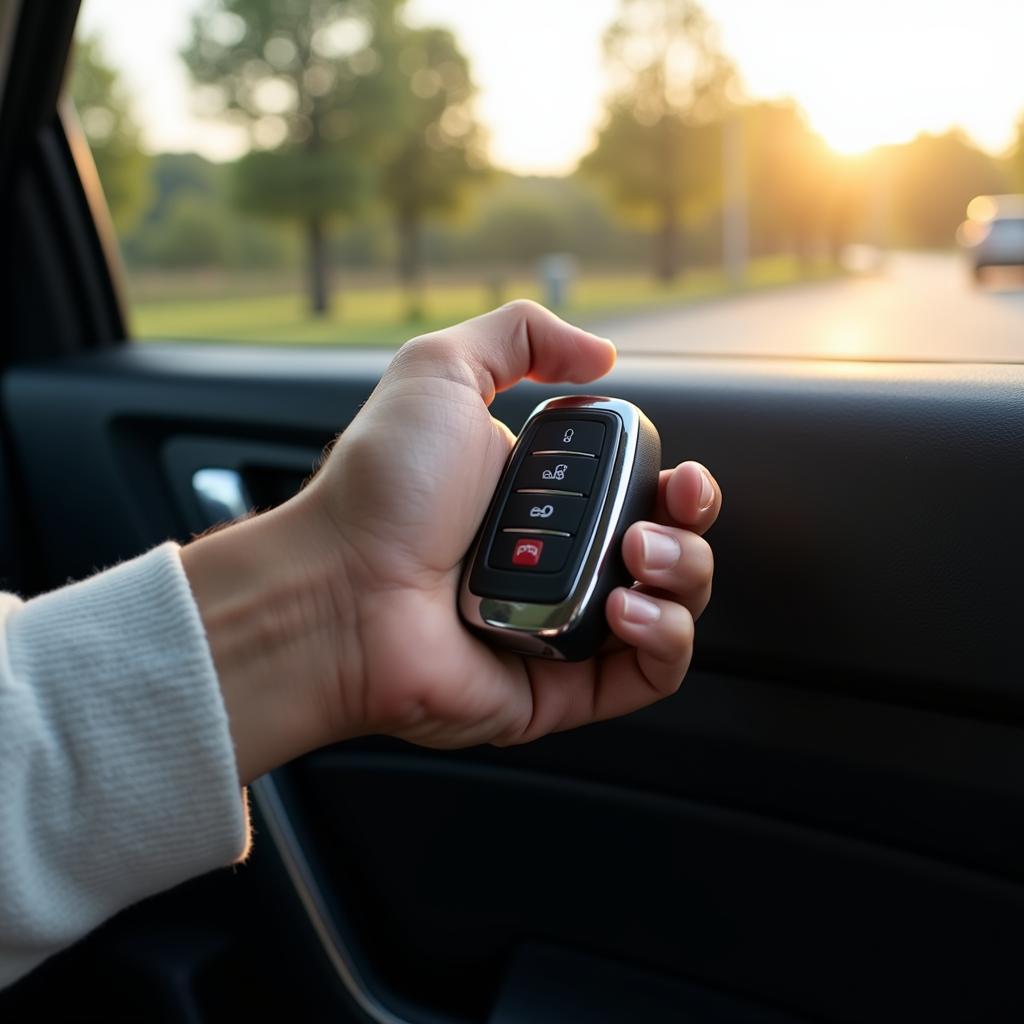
(274,601)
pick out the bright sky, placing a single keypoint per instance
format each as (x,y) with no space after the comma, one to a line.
(866,71)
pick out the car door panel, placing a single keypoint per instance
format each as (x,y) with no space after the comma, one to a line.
(853,539)
(822,823)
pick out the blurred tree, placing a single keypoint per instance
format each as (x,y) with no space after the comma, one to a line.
(803,197)
(1015,160)
(104,110)
(436,147)
(174,174)
(187,200)
(521,230)
(931,181)
(660,150)
(303,77)
(517,218)
(192,233)
(196,229)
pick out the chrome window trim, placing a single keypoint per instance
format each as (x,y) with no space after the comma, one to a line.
(300,873)
(95,198)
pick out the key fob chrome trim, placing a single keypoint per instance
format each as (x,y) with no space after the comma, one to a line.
(567,620)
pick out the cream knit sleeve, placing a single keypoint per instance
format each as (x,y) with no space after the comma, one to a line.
(117,772)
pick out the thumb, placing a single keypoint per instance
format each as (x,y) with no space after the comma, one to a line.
(522,339)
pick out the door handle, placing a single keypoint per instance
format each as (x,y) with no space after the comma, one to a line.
(215,479)
(221,494)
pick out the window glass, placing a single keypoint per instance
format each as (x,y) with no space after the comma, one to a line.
(810,178)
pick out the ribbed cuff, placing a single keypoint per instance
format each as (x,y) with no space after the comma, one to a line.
(126,753)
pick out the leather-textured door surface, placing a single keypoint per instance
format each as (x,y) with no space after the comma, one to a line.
(824,822)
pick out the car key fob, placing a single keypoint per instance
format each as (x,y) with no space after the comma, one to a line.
(549,551)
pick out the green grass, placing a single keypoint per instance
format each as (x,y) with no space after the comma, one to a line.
(264,309)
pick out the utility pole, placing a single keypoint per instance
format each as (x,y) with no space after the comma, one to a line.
(735,245)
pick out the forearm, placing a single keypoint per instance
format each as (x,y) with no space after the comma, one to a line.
(278,619)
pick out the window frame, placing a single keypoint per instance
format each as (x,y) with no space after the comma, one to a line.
(62,290)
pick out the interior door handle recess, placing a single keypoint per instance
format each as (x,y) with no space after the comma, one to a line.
(216,479)
(221,494)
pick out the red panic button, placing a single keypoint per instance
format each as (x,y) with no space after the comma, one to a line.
(527,551)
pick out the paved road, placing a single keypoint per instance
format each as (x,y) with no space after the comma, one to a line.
(919,307)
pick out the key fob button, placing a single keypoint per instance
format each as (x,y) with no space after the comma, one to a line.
(563,512)
(549,552)
(557,473)
(525,553)
(583,437)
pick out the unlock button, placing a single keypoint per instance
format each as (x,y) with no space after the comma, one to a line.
(557,473)
(561,512)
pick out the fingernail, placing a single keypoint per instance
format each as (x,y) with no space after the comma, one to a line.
(639,609)
(660,550)
(707,492)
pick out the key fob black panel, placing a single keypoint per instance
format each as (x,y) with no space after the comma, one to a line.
(537,500)
(548,553)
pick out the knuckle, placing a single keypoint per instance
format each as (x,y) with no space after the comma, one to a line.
(683,629)
(701,559)
(522,308)
(513,735)
(432,347)
(690,629)
(672,683)
(632,542)
(670,677)
(438,354)
(520,305)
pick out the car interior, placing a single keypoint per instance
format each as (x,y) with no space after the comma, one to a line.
(826,822)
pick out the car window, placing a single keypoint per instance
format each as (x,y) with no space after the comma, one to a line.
(724,178)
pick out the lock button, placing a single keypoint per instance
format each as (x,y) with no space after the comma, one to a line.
(574,473)
(560,512)
(581,437)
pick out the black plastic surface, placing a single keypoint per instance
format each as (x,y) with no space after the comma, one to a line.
(581,437)
(824,819)
(815,923)
(572,473)
(560,512)
(547,985)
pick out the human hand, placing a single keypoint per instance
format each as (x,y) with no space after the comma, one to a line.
(406,489)
(378,537)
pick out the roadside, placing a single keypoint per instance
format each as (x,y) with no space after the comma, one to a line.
(923,307)
(258,308)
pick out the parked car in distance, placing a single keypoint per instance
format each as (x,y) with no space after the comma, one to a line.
(993,234)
